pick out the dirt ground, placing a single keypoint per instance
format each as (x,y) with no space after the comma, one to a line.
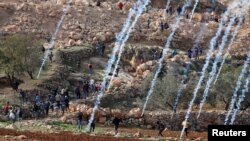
(63,136)
(67,136)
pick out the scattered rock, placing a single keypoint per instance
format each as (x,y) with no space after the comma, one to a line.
(11,126)
(138,134)
(21,137)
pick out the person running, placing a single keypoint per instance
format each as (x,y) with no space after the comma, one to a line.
(116,121)
(160,127)
(186,126)
(79,120)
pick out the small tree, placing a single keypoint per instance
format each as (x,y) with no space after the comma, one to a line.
(31,58)
(12,49)
(18,55)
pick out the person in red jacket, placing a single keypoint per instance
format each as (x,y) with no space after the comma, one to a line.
(6,108)
(120,5)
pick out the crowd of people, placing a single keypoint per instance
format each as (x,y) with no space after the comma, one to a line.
(194,52)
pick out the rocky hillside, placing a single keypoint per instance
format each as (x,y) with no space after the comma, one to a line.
(82,26)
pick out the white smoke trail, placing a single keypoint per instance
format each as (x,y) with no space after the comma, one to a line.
(208,56)
(238,84)
(111,61)
(53,38)
(169,39)
(214,68)
(192,14)
(120,45)
(229,47)
(241,98)
(179,92)
(168,3)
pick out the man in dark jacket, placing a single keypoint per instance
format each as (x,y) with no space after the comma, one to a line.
(116,121)
(160,127)
(79,120)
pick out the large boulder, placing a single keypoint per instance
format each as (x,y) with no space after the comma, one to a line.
(116,83)
(11,28)
(116,113)
(135,113)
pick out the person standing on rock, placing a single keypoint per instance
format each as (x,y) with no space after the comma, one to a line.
(116,121)
(169,10)
(43,49)
(190,52)
(66,103)
(51,56)
(179,9)
(117,71)
(22,94)
(98,3)
(77,92)
(90,69)
(79,120)
(148,23)
(186,126)
(160,127)
(103,47)
(120,5)
(162,26)
(196,49)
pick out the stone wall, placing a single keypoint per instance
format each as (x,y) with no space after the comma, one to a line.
(149,119)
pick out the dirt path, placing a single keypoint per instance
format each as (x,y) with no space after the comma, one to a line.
(63,136)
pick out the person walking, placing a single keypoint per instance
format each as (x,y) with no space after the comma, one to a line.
(160,127)
(186,126)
